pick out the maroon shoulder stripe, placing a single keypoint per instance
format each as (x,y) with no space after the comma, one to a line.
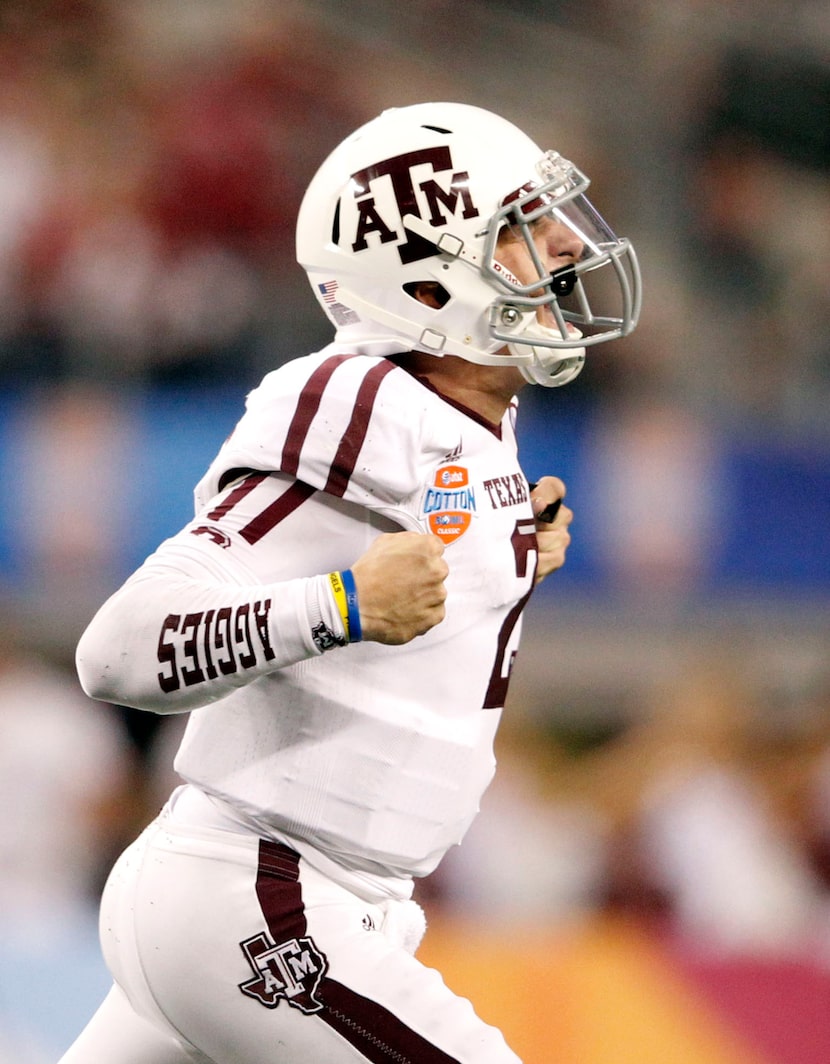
(307,406)
(277,511)
(236,496)
(375,1032)
(344,461)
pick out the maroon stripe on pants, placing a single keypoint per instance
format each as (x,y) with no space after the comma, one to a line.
(374,1031)
(377,1033)
(278,891)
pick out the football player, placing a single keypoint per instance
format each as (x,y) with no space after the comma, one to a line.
(340,617)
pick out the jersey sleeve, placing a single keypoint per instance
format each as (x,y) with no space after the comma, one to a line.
(350,426)
(198,619)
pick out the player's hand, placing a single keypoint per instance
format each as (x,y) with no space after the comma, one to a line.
(552,536)
(400,586)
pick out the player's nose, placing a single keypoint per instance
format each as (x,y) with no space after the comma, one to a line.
(563,243)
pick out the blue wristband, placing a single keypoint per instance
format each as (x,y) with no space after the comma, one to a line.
(355,631)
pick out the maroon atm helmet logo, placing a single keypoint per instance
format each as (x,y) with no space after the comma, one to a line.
(438,199)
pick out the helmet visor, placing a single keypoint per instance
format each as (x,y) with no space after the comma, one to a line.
(598,290)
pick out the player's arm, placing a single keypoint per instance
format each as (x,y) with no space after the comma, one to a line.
(183,632)
(553,519)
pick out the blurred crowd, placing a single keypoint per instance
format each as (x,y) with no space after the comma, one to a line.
(701,815)
(152,159)
(153,155)
(703,810)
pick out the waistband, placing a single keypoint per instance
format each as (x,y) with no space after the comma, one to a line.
(188,805)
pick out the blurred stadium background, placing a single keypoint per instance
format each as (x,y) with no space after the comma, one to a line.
(650,879)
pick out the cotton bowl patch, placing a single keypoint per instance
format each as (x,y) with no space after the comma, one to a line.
(450,503)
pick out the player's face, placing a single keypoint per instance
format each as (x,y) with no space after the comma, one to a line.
(556,246)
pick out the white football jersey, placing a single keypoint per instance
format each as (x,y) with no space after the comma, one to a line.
(376,756)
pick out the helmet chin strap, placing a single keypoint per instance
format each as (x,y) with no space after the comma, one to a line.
(551,367)
(548,366)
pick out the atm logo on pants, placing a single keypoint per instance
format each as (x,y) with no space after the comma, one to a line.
(291,970)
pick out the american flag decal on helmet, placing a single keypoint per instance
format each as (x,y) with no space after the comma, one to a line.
(341,315)
(328,290)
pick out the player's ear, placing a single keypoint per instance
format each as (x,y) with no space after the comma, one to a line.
(429,292)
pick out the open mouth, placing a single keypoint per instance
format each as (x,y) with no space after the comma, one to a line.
(546,317)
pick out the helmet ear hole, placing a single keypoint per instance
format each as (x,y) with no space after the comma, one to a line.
(430,293)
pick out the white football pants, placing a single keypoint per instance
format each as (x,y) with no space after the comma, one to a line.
(228,949)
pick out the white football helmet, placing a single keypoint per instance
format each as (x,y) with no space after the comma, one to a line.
(420,194)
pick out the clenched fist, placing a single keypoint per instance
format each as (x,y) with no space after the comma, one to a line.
(552,536)
(400,586)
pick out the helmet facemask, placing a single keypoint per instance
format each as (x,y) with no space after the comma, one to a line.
(548,321)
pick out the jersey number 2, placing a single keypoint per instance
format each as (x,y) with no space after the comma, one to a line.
(523,542)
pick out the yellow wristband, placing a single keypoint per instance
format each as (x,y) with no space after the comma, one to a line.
(339,591)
